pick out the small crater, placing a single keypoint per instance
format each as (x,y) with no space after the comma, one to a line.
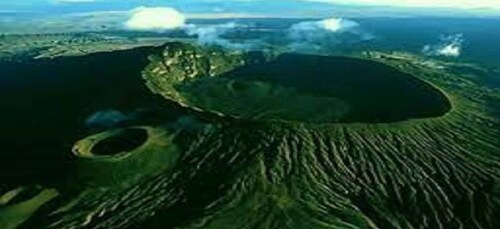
(125,140)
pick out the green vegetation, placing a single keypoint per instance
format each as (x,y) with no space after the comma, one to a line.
(119,156)
(406,174)
(414,148)
(316,89)
(18,205)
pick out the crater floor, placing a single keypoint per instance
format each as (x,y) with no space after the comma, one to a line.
(124,141)
(315,89)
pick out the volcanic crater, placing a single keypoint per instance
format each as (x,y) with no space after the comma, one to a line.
(296,88)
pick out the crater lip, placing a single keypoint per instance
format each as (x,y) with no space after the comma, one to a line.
(112,143)
(125,140)
(316,89)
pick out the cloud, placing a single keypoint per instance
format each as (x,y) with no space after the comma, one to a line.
(449,46)
(214,35)
(325,34)
(333,25)
(155,19)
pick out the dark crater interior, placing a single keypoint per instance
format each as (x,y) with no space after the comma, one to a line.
(124,141)
(318,89)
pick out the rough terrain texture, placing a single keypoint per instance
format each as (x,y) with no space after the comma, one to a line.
(440,172)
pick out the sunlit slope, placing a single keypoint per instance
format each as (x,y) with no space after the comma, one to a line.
(237,171)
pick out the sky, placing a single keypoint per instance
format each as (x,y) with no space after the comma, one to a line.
(288,8)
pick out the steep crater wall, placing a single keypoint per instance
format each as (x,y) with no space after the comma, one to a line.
(291,87)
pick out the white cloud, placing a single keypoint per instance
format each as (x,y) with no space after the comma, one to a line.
(462,4)
(330,25)
(325,35)
(155,19)
(450,46)
(214,35)
(450,50)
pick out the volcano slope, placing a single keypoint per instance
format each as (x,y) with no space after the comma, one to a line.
(296,141)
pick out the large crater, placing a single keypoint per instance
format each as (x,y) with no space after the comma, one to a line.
(293,87)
